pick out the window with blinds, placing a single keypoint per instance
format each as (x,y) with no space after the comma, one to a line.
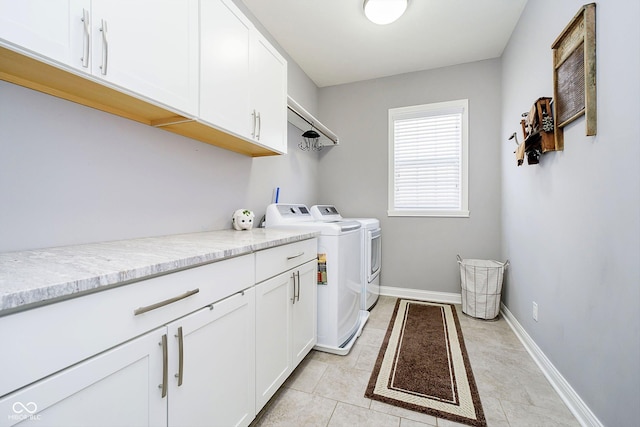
(428,163)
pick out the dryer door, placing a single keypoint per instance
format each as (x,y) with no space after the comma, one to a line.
(374,248)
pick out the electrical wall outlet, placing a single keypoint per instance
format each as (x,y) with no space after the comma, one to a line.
(535,311)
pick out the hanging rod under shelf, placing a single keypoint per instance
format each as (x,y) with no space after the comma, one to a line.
(302,119)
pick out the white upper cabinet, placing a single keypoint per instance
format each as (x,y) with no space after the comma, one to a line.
(149,47)
(225,36)
(146,47)
(243,79)
(53,29)
(269,93)
(198,68)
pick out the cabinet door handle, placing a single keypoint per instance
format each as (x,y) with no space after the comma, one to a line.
(259,127)
(165,365)
(105,48)
(293,299)
(296,286)
(86,38)
(289,258)
(180,356)
(165,302)
(254,119)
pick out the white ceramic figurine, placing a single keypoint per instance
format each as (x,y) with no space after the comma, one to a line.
(242,219)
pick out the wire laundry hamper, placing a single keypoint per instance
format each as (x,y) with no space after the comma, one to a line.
(481,282)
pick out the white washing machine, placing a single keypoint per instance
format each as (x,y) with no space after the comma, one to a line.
(371,242)
(340,314)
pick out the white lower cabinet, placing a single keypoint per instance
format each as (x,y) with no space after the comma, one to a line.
(285,327)
(196,371)
(116,388)
(212,364)
(151,354)
(273,336)
(304,333)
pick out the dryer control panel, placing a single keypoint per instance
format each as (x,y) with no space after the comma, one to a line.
(325,213)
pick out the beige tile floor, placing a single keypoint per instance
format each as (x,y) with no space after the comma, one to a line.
(328,390)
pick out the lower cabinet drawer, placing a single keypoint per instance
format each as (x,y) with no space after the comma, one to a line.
(273,261)
(44,340)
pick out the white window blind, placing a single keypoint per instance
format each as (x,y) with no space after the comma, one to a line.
(428,160)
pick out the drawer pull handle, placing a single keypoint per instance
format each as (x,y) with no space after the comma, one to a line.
(165,302)
(289,258)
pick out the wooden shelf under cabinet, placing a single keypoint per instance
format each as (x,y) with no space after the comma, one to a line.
(37,75)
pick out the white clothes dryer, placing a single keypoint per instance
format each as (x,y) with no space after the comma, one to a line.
(371,252)
(340,317)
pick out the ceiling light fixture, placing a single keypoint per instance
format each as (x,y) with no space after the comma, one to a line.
(384,12)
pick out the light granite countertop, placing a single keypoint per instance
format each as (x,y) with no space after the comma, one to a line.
(35,277)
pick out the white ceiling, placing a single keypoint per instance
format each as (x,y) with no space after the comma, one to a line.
(333,42)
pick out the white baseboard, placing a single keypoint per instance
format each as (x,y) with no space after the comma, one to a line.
(569,396)
(418,294)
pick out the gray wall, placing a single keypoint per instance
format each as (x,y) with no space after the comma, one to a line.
(417,253)
(571,225)
(70,174)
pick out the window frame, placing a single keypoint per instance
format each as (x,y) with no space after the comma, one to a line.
(424,110)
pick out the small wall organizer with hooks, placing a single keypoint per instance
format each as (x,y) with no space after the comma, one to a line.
(316,135)
(539,133)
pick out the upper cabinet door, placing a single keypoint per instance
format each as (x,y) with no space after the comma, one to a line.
(225,34)
(243,79)
(269,94)
(52,29)
(149,47)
